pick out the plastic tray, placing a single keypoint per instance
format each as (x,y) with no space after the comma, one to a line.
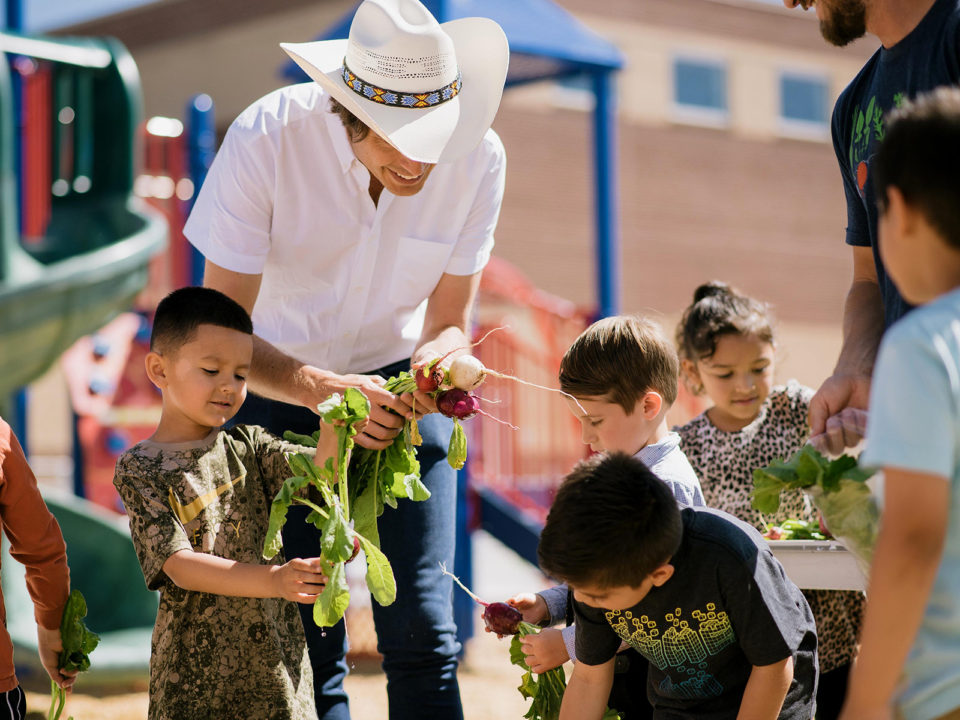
(819,564)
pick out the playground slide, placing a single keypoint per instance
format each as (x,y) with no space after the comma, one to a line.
(104,567)
(74,241)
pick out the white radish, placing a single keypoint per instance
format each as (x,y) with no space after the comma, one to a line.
(467,373)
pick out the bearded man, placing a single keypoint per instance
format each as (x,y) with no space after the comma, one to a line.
(919,51)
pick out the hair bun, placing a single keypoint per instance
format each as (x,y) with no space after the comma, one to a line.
(714,288)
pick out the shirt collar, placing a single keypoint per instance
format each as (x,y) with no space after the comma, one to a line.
(652,454)
(340,141)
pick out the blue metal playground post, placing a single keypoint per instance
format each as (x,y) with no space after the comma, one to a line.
(14,22)
(605,207)
(201,148)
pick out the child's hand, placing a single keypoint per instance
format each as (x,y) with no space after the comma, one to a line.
(544,650)
(300,580)
(49,645)
(531,606)
(326,445)
(327,441)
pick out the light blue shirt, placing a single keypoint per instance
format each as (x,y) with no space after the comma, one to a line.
(667,461)
(914,424)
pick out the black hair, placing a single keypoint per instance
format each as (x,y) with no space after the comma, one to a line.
(717,310)
(919,156)
(180,313)
(612,523)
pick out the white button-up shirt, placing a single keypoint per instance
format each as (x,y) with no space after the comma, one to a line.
(344,281)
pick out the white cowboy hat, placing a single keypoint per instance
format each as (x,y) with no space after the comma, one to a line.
(430,90)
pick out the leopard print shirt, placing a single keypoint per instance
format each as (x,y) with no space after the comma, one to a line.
(725,461)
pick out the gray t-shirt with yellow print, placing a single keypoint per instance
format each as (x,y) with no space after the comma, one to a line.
(215,656)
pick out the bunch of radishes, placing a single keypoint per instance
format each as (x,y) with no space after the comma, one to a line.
(450,389)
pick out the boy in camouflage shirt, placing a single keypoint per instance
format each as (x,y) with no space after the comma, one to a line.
(228,641)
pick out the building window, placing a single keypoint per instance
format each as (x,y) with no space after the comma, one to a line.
(804,105)
(700,90)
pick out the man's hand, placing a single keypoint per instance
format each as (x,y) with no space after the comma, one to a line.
(844,430)
(387,411)
(300,580)
(838,391)
(544,650)
(49,645)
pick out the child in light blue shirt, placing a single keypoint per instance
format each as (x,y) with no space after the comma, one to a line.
(909,664)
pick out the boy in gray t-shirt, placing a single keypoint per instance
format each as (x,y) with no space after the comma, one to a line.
(228,637)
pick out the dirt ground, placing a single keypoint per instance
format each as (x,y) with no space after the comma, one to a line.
(488,682)
(487,685)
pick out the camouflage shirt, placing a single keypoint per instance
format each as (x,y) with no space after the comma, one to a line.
(215,656)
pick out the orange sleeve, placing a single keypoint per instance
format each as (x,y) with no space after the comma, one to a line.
(35,537)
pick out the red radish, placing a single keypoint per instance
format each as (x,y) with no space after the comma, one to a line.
(498,617)
(457,404)
(502,618)
(429,377)
(461,405)
(356,549)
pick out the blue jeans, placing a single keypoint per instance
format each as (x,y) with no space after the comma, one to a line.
(416,634)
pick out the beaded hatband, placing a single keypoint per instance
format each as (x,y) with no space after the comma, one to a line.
(400,99)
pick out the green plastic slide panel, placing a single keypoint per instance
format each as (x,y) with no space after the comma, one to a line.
(104,567)
(93,259)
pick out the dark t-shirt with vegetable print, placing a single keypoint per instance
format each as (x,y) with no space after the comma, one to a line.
(727,607)
(215,656)
(925,59)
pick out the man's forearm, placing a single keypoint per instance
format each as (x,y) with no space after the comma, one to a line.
(765,691)
(862,329)
(277,376)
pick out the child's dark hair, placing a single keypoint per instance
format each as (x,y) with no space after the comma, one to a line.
(621,358)
(612,523)
(919,156)
(180,313)
(717,310)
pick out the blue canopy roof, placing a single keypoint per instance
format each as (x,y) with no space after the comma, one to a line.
(545,40)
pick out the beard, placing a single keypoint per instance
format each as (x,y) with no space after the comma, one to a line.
(845,21)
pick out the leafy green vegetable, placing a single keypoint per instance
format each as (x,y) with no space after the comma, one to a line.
(333,601)
(839,490)
(377,479)
(795,530)
(347,514)
(545,691)
(78,642)
(457,451)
